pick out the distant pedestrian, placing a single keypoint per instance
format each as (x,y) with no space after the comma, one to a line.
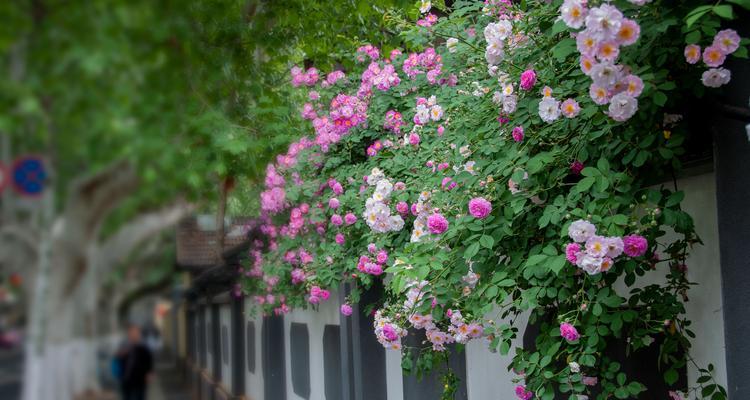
(152,338)
(136,365)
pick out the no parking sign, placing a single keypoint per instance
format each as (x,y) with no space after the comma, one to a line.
(29,176)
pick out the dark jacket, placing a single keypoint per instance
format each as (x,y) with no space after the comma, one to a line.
(136,363)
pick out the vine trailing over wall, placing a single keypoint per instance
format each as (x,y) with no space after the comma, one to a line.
(504,164)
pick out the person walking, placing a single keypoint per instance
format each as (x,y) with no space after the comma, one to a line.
(136,365)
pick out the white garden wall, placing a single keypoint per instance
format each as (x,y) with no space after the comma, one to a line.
(225,333)
(487,375)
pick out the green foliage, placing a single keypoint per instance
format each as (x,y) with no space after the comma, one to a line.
(518,251)
(190,92)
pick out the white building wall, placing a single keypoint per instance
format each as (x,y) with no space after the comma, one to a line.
(254,381)
(394,376)
(487,373)
(209,338)
(327,314)
(704,267)
(225,316)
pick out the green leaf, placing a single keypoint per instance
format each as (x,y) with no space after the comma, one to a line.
(603,164)
(675,198)
(558,27)
(422,271)
(557,263)
(506,283)
(666,153)
(597,309)
(620,219)
(670,377)
(693,37)
(660,99)
(696,14)
(641,158)
(487,241)
(613,301)
(545,361)
(587,360)
(724,11)
(471,251)
(741,52)
(504,347)
(634,388)
(536,259)
(590,171)
(585,184)
(563,49)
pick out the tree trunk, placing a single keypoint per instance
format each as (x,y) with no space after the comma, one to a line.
(58,329)
(35,344)
(63,316)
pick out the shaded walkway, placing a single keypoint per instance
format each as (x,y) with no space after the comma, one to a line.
(169,383)
(11,365)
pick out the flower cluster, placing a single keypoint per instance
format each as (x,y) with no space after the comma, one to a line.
(606,30)
(725,42)
(523,394)
(367,50)
(383,78)
(427,110)
(498,8)
(301,77)
(387,332)
(595,254)
(506,98)
(305,211)
(421,209)
(377,212)
(495,34)
(273,200)
(347,112)
(393,121)
(308,112)
(428,62)
(428,20)
(297,221)
(317,295)
(376,146)
(375,262)
(332,78)
(458,330)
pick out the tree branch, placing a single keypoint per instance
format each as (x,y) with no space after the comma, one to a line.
(142,291)
(115,250)
(23,234)
(93,197)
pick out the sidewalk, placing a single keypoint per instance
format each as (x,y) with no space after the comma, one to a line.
(11,368)
(168,384)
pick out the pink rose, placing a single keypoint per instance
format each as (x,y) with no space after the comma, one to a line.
(569,332)
(528,79)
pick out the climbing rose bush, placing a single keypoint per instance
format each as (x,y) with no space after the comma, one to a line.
(502,163)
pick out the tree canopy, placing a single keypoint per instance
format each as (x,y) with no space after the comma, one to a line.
(190,93)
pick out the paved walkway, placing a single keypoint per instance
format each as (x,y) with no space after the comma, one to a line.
(169,384)
(11,363)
